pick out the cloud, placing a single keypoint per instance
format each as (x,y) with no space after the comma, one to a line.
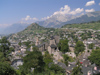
(66,10)
(89,10)
(78,10)
(46,18)
(63,10)
(29,18)
(99,3)
(90,3)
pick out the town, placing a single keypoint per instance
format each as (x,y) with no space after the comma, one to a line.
(68,48)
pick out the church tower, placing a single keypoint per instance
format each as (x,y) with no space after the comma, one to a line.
(37,41)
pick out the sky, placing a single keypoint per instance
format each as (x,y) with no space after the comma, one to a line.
(15,11)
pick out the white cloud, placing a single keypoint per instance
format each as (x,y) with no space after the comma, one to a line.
(89,10)
(90,3)
(99,3)
(29,18)
(45,18)
(78,10)
(63,10)
(66,10)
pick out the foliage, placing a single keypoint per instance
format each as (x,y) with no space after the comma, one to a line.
(95,57)
(67,59)
(2,58)
(63,45)
(19,43)
(91,46)
(79,47)
(95,26)
(5,47)
(57,68)
(47,58)
(27,44)
(6,69)
(33,60)
(77,70)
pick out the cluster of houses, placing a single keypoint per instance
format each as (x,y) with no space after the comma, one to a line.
(51,47)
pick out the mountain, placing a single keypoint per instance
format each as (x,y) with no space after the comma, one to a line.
(31,29)
(57,21)
(93,16)
(14,28)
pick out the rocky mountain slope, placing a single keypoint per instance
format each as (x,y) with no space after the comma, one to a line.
(60,20)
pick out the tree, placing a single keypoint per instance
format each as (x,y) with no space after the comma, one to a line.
(91,46)
(33,60)
(47,58)
(95,57)
(57,68)
(6,69)
(5,46)
(63,45)
(79,47)
(2,58)
(77,70)
(66,59)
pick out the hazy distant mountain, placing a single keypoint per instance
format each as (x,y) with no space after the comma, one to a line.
(60,20)
(14,28)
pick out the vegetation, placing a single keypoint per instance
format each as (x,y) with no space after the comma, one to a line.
(33,60)
(91,25)
(77,70)
(63,45)
(5,50)
(57,69)
(47,58)
(95,57)
(91,46)
(79,47)
(6,69)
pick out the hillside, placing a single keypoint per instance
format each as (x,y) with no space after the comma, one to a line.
(91,25)
(33,28)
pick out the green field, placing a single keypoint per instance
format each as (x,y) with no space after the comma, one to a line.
(92,25)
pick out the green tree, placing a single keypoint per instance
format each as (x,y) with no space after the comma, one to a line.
(33,60)
(2,58)
(79,47)
(5,46)
(47,58)
(6,69)
(77,70)
(66,59)
(95,57)
(57,68)
(91,46)
(63,45)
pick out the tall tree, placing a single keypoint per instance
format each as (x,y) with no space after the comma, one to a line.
(63,45)
(79,47)
(33,60)
(91,46)
(95,57)
(6,69)
(5,46)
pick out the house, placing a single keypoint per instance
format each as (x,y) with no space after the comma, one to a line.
(16,63)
